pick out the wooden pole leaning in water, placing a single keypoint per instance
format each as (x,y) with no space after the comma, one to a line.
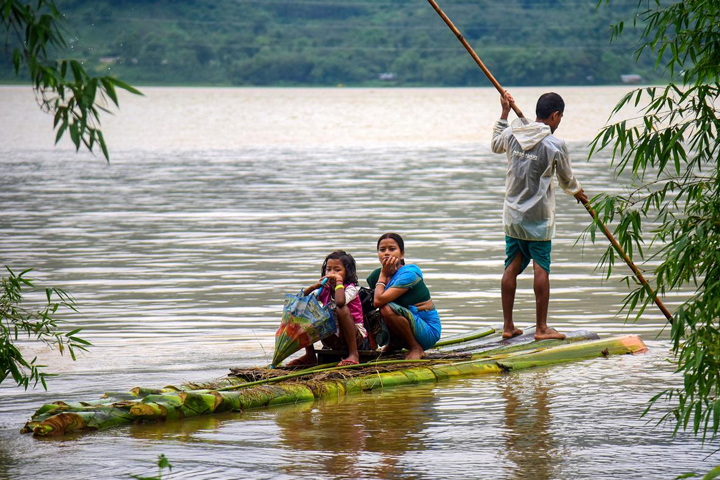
(590,210)
(474,55)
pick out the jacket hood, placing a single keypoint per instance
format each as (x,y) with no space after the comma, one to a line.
(529,135)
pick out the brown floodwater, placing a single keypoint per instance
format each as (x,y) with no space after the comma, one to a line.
(217,202)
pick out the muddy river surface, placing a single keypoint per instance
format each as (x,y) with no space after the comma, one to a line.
(217,202)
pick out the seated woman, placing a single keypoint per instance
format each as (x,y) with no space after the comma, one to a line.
(403,299)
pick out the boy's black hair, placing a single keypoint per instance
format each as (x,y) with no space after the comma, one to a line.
(393,236)
(348,262)
(549,103)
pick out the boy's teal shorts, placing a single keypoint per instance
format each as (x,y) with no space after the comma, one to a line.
(538,251)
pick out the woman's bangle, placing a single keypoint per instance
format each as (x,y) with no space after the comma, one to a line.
(381,283)
(338,287)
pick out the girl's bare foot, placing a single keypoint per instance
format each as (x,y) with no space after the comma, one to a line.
(352,359)
(512,333)
(548,333)
(347,362)
(307,360)
(415,354)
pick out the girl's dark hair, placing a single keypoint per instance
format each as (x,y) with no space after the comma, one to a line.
(348,262)
(397,238)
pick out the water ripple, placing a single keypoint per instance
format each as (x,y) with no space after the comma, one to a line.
(180,261)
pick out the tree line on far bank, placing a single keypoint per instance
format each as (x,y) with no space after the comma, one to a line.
(366,43)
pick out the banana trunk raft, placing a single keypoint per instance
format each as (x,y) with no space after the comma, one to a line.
(480,352)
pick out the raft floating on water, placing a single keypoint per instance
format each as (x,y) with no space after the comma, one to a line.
(480,352)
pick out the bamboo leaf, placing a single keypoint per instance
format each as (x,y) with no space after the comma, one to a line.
(60,132)
(78,71)
(125,86)
(81,341)
(714,473)
(101,141)
(110,90)
(75,135)
(17,60)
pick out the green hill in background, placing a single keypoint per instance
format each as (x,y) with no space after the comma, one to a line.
(363,42)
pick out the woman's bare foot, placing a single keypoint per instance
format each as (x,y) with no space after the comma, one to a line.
(307,360)
(415,354)
(548,333)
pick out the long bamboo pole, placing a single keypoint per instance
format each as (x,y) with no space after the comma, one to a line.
(590,210)
(473,55)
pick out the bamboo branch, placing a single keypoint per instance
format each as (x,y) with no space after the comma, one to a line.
(629,262)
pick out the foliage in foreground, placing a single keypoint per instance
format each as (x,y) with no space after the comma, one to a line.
(17,322)
(162,464)
(62,87)
(714,473)
(670,217)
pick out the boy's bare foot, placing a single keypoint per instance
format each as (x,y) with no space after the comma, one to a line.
(548,334)
(415,354)
(307,360)
(512,333)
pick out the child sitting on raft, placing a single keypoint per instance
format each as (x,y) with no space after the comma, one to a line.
(339,290)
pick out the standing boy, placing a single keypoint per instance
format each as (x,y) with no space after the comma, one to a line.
(534,156)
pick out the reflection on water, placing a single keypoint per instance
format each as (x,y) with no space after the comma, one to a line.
(382,428)
(179,259)
(528,439)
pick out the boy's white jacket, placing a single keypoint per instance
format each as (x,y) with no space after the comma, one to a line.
(534,156)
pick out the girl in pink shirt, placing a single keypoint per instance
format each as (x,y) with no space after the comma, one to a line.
(339,289)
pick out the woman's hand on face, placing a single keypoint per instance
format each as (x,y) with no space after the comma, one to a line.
(331,281)
(389,266)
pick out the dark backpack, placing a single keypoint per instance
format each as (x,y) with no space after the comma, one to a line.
(373,321)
